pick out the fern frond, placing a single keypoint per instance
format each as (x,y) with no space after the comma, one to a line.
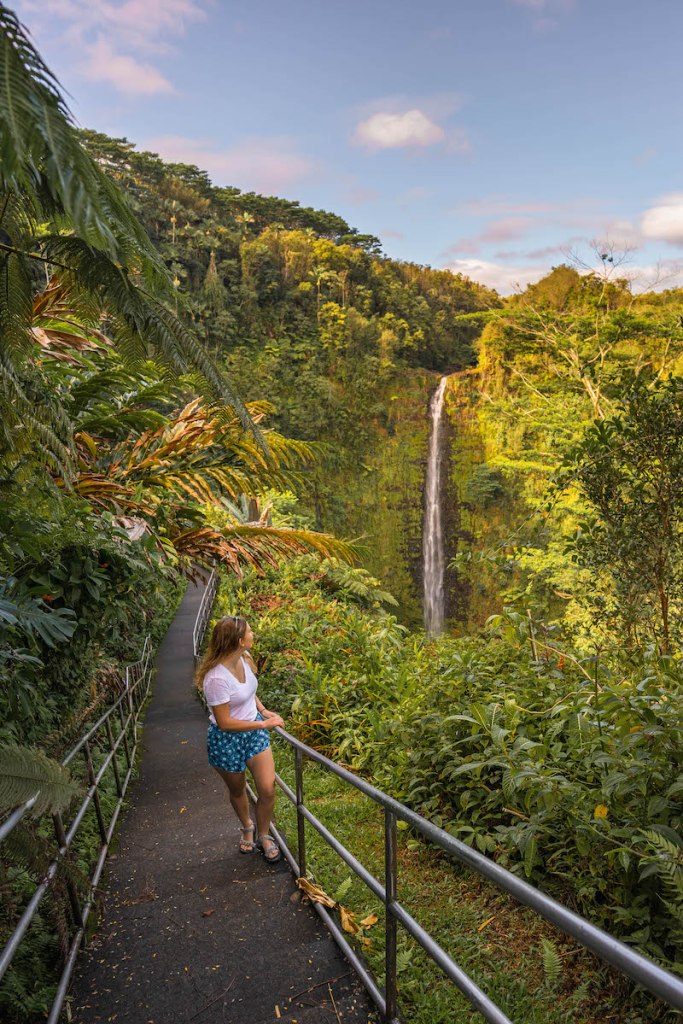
(25,772)
(15,306)
(552,962)
(668,858)
(343,889)
(32,422)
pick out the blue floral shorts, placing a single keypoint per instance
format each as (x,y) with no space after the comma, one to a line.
(230,751)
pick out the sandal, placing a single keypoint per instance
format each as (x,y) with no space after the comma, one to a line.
(271,852)
(247,845)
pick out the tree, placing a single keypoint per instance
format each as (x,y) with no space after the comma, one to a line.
(629,471)
(60,210)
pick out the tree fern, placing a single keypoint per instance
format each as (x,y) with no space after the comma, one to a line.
(141,326)
(47,177)
(356,583)
(25,773)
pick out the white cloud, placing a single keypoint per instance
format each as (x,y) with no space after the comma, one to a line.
(506,229)
(359,195)
(260,164)
(397,131)
(416,194)
(509,279)
(504,279)
(545,6)
(500,205)
(126,74)
(112,40)
(545,13)
(664,222)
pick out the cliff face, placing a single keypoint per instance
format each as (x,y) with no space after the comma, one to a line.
(481,507)
(382,499)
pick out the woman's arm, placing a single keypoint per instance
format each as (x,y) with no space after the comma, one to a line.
(264,711)
(224,721)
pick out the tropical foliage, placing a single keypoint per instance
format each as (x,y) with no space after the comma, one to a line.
(121,462)
(567,769)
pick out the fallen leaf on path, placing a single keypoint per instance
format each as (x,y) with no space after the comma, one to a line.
(315,893)
(348,920)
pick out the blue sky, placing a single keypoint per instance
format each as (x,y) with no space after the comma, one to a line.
(495,137)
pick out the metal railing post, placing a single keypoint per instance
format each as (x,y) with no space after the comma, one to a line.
(70,887)
(300,824)
(95,796)
(124,731)
(117,777)
(390,922)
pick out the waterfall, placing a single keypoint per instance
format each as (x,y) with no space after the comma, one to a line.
(433,558)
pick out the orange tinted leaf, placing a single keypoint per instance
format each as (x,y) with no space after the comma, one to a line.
(348,921)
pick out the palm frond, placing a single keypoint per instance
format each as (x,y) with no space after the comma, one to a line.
(140,324)
(255,545)
(15,304)
(204,454)
(41,156)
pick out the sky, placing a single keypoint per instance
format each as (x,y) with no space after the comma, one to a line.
(497,138)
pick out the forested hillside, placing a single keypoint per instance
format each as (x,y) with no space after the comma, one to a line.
(565,456)
(306,313)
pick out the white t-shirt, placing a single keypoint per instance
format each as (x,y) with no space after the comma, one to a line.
(222,687)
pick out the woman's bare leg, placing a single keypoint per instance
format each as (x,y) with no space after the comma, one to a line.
(237,789)
(262,767)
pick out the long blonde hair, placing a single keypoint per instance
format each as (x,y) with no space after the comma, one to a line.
(225,639)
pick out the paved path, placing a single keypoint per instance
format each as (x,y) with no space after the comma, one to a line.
(189,929)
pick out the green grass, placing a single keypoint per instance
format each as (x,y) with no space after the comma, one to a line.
(530,970)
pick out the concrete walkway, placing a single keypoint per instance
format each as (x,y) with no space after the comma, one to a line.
(189,929)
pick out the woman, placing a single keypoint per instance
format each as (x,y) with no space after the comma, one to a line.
(237,740)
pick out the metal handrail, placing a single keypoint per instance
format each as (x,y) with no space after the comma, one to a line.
(116,729)
(640,968)
(204,613)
